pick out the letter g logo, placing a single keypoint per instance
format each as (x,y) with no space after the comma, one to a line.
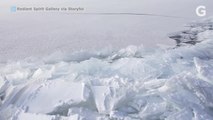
(201,11)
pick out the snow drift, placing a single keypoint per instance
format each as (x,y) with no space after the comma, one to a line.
(129,84)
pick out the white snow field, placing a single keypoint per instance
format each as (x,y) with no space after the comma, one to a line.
(134,83)
(25,34)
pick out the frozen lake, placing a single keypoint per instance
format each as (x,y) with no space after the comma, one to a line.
(25,34)
(133,82)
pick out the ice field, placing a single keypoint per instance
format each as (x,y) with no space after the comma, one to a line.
(132,83)
(116,60)
(26,34)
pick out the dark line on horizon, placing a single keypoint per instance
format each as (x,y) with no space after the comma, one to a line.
(132,14)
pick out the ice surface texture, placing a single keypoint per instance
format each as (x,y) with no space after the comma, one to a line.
(130,84)
(191,36)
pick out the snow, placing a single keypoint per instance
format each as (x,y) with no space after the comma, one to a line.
(126,81)
(131,83)
(52,92)
(23,34)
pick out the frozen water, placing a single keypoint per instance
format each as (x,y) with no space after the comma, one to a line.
(131,83)
(26,34)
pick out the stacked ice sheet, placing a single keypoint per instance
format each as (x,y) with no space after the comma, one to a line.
(130,84)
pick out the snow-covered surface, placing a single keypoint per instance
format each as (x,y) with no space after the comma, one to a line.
(26,34)
(133,83)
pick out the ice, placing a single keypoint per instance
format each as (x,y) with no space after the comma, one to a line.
(102,100)
(28,116)
(107,99)
(204,69)
(2,87)
(198,32)
(9,112)
(43,73)
(182,115)
(132,83)
(73,93)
